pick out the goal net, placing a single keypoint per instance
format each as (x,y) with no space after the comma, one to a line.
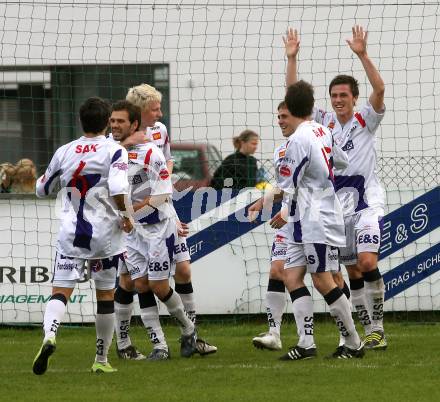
(220,67)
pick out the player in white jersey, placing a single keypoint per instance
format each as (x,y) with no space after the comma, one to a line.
(275,296)
(358,186)
(315,224)
(92,173)
(149,100)
(150,246)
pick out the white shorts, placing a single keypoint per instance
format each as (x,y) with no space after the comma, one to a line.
(314,256)
(279,246)
(181,250)
(70,270)
(363,231)
(150,251)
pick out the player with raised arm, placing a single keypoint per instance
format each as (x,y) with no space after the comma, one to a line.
(150,247)
(358,186)
(315,225)
(92,173)
(149,100)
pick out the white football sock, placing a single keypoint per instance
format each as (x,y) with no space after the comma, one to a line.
(375,293)
(275,305)
(340,310)
(151,321)
(53,316)
(189,305)
(302,304)
(104,335)
(122,324)
(175,308)
(359,301)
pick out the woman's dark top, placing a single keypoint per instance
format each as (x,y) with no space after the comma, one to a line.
(241,168)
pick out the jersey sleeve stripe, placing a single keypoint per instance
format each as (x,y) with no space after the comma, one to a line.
(360,119)
(148,156)
(298,170)
(50,180)
(117,155)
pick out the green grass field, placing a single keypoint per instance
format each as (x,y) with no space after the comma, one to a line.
(408,371)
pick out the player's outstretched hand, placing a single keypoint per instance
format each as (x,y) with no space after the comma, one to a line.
(291,42)
(136,138)
(277,222)
(126,225)
(358,44)
(254,210)
(182,229)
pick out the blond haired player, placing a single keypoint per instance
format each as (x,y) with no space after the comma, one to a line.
(149,100)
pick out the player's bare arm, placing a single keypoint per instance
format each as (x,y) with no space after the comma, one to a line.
(271,196)
(291,44)
(358,44)
(121,202)
(136,138)
(170,165)
(150,202)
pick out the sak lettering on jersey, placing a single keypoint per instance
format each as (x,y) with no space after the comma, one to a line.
(305,174)
(88,170)
(82,149)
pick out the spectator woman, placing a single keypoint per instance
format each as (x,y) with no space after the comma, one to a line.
(238,170)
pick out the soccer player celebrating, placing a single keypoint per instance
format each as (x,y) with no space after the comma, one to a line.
(93,173)
(315,225)
(275,295)
(149,100)
(150,247)
(358,186)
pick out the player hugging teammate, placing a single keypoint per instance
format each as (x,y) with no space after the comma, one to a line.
(360,195)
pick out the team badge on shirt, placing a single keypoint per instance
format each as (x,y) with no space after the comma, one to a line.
(331,125)
(282,153)
(285,171)
(96,265)
(349,145)
(136,179)
(132,155)
(163,174)
(279,239)
(156,136)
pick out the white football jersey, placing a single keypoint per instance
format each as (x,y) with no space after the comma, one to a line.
(357,185)
(149,177)
(305,172)
(90,171)
(159,136)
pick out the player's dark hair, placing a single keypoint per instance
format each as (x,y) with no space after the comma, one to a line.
(282,105)
(345,79)
(299,99)
(134,112)
(94,114)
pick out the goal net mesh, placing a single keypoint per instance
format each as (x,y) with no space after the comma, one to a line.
(220,66)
